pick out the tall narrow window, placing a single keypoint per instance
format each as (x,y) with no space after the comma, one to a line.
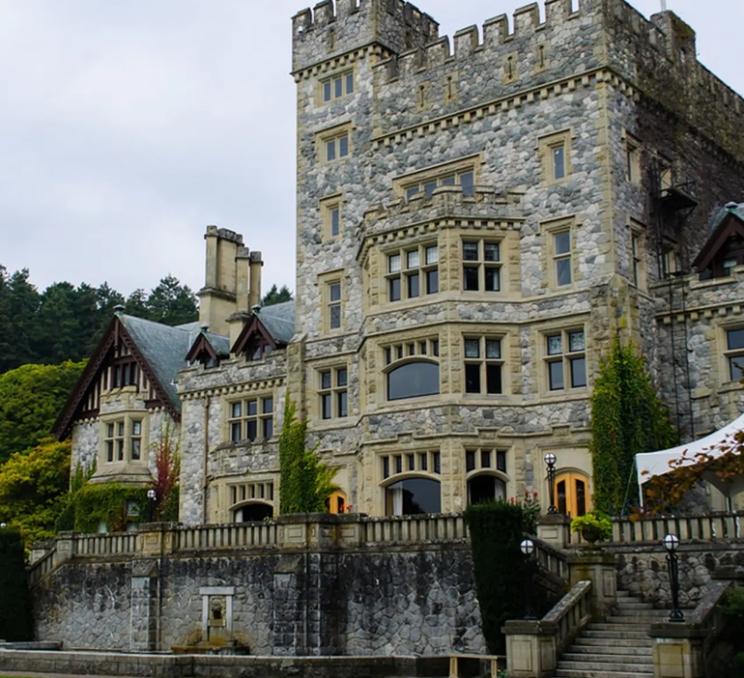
(565,360)
(555,151)
(481,269)
(333,291)
(558,154)
(135,441)
(337,86)
(333,393)
(331,215)
(562,257)
(483,365)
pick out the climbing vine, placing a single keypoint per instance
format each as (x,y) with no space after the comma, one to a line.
(112,505)
(627,418)
(305,481)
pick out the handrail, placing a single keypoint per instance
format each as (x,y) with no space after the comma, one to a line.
(41,567)
(551,559)
(414,529)
(569,615)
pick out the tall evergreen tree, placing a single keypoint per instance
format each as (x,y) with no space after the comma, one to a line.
(172,303)
(21,305)
(136,304)
(627,418)
(276,296)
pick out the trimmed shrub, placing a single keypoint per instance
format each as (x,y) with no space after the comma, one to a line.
(15,603)
(496,530)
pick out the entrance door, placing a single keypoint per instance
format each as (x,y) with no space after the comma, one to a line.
(572,494)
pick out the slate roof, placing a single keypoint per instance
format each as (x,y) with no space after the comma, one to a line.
(279,320)
(732,208)
(163,347)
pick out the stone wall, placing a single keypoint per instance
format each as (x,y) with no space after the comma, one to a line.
(302,598)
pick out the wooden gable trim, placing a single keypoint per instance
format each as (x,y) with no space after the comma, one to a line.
(728,228)
(62,425)
(115,333)
(198,347)
(254,327)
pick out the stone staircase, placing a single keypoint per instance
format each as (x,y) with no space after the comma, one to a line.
(618,647)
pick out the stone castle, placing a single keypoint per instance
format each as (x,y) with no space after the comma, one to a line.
(477,219)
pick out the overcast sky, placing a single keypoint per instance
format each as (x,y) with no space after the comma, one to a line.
(127,126)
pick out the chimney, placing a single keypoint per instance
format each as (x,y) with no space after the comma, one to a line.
(256,264)
(218,297)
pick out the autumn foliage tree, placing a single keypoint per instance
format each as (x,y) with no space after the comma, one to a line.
(627,418)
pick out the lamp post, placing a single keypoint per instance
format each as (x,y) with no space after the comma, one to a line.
(671,544)
(528,548)
(550,460)
(151,497)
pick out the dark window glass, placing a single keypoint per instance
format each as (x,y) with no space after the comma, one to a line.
(331,150)
(251,429)
(335,221)
(268,428)
(343,146)
(470,460)
(413,496)
(554,344)
(578,372)
(472,379)
(555,375)
(563,242)
(109,450)
(562,499)
(413,285)
(432,282)
(470,277)
(580,497)
(254,513)
(429,187)
(493,279)
(398,463)
(491,251)
(349,83)
(325,379)
(559,162)
(437,458)
(327,91)
(448,180)
(485,458)
(325,402)
(385,467)
(563,271)
(413,380)
(493,378)
(136,443)
(575,341)
(485,488)
(394,289)
(252,407)
(472,348)
(424,461)
(335,319)
(343,406)
(466,181)
(736,367)
(470,251)
(411,462)
(411,191)
(267,405)
(735,339)
(501,460)
(334,291)
(235,431)
(342,376)
(338,82)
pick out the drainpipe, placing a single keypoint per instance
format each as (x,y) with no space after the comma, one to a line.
(205,487)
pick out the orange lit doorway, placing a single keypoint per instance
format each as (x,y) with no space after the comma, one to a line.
(572,493)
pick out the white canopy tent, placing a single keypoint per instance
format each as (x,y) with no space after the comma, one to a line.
(652,464)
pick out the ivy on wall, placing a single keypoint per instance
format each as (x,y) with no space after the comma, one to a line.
(501,574)
(305,481)
(111,504)
(15,603)
(627,418)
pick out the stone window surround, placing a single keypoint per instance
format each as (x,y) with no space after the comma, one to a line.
(331,79)
(479,469)
(540,333)
(473,163)
(420,462)
(335,133)
(632,158)
(547,145)
(404,272)
(254,491)
(567,356)
(327,206)
(511,68)
(483,361)
(726,353)
(326,281)
(405,340)
(260,417)
(482,263)
(548,231)
(638,255)
(334,391)
(127,417)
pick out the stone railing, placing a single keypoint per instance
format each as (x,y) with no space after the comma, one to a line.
(298,531)
(556,530)
(534,646)
(551,559)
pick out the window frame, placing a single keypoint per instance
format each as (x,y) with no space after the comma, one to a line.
(411,351)
(332,138)
(333,392)
(483,362)
(331,81)
(403,185)
(260,417)
(119,445)
(329,205)
(566,358)
(632,160)
(405,273)
(731,354)
(547,146)
(482,264)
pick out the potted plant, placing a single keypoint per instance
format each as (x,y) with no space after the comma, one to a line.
(593,527)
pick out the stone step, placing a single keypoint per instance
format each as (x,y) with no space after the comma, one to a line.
(608,667)
(634,604)
(640,630)
(602,658)
(643,617)
(611,645)
(601,673)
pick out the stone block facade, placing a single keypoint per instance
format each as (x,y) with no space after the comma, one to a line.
(477,219)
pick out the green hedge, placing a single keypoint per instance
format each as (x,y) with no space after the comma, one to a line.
(501,574)
(108,503)
(16,622)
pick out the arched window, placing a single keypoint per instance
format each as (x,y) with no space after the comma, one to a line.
(414,379)
(572,493)
(336,503)
(412,496)
(253,513)
(485,487)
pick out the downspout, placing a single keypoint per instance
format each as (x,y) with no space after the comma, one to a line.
(205,462)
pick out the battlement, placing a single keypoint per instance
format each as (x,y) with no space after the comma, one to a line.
(333,28)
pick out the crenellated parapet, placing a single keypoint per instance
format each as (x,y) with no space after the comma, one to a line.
(331,29)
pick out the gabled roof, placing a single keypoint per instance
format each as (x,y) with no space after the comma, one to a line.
(215,345)
(274,324)
(159,350)
(727,223)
